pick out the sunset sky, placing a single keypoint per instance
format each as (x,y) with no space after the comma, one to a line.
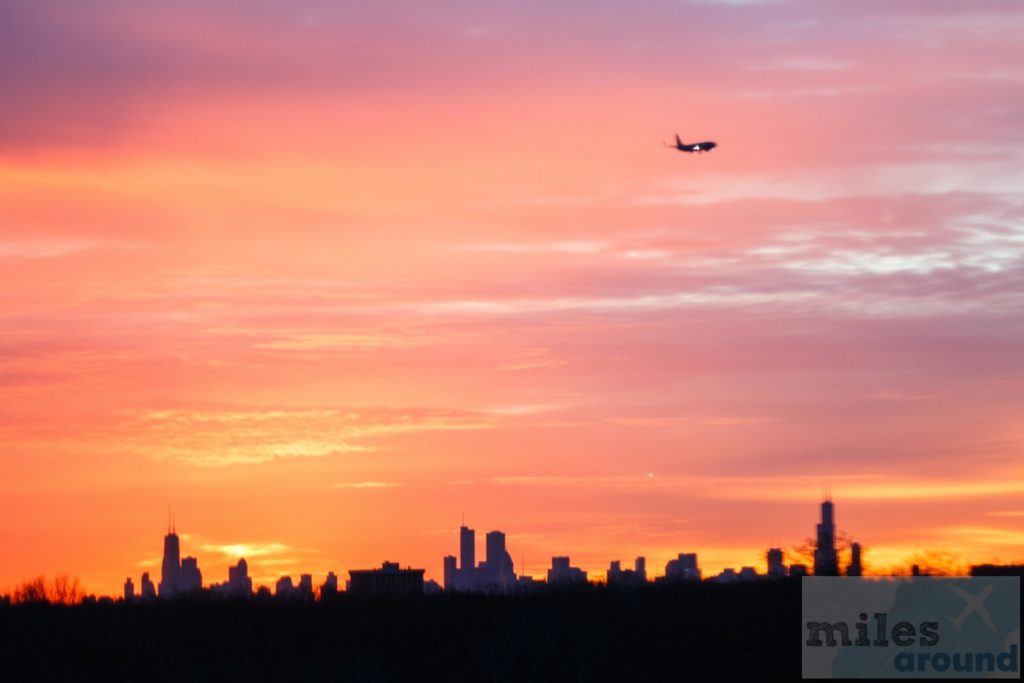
(325,276)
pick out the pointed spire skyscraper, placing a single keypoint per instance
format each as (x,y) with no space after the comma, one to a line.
(170,574)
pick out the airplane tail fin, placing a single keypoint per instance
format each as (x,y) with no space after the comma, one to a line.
(678,141)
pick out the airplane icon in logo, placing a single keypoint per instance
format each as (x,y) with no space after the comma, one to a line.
(975,603)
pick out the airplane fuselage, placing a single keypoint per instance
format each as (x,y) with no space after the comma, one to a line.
(696,146)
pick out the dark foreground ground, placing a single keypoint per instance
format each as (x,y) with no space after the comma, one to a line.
(658,633)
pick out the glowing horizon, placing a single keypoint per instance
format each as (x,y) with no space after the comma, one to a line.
(324,278)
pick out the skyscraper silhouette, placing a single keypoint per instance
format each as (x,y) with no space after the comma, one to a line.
(305,588)
(775,566)
(330,586)
(390,579)
(284,588)
(495,574)
(467,548)
(617,576)
(495,542)
(683,567)
(562,572)
(170,572)
(239,582)
(146,588)
(450,572)
(854,568)
(499,563)
(826,562)
(177,575)
(189,577)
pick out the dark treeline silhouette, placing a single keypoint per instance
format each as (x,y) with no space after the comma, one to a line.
(682,631)
(63,590)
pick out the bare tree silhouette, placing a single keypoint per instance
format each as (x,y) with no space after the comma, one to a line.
(934,563)
(804,552)
(63,590)
(843,541)
(66,590)
(31,591)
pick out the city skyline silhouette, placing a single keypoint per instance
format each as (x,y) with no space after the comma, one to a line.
(388,623)
(495,573)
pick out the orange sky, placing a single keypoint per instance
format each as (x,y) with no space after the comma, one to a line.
(324,278)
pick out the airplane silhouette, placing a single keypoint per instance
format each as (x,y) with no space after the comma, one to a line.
(693,146)
(975,603)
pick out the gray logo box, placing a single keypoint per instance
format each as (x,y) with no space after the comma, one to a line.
(910,627)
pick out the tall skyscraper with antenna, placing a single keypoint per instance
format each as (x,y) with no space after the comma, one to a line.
(826,561)
(170,573)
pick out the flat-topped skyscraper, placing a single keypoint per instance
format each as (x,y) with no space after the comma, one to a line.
(467,548)
(854,568)
(683,567)
(775,566)
(495,574)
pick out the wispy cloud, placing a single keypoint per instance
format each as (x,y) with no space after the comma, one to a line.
(646,254)
(536,364)
(319,341)
(878,262)
(737,3)
(45,248)
(533,359)
(367,485)
(718,296)
(568,247)
(808,63)
(521,409)
(807,93)
(231,437)
(866,486)
(566,481)
(247,550)
(985,535)
(986,176)
(674,421)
